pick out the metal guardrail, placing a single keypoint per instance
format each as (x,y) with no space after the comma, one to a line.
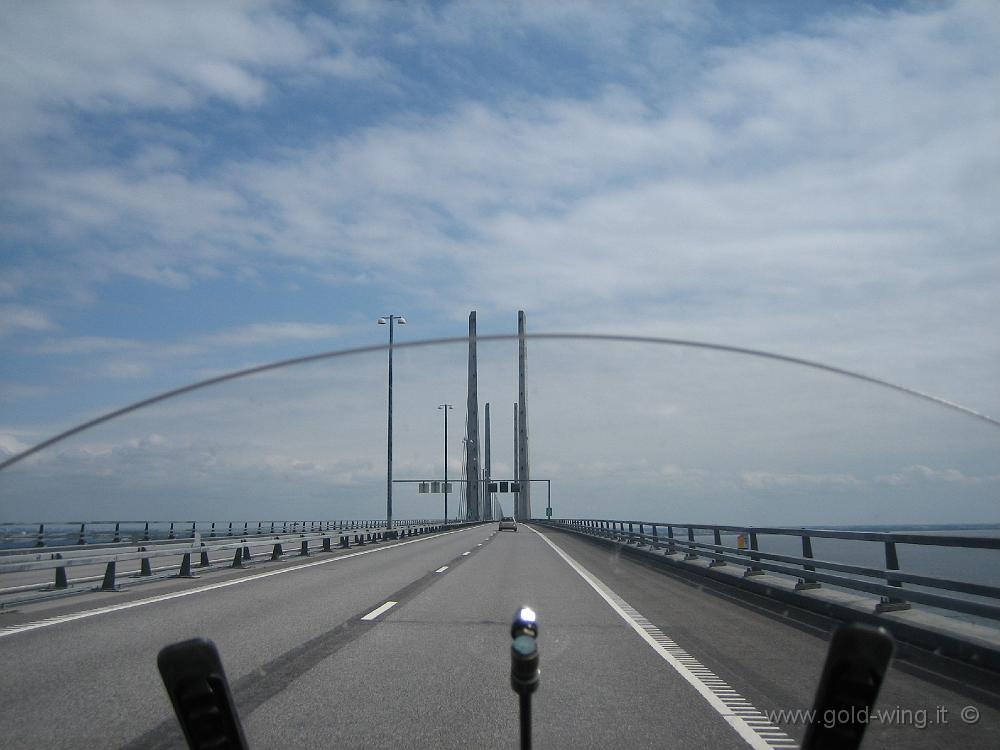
(679,538)
(31,559)
(18,536)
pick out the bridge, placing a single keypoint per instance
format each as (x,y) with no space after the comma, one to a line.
(368,640)
(394,631)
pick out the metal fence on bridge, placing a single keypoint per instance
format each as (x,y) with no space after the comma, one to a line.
(893,585)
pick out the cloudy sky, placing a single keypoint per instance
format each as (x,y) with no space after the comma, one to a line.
(190,188)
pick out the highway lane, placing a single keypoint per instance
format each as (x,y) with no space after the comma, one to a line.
(433,669)
(93,682)
(774,654)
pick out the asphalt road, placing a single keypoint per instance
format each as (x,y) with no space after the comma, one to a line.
(433,670)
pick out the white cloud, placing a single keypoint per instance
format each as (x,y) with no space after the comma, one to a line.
(13,392)
(85,345)
(110,56)
(772,480)
(10,444)
(261,333)
(917,474)
(23,319)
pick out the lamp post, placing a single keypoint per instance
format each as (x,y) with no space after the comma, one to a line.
(445,408)
(389,320)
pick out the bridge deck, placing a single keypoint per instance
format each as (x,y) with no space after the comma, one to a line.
(432,670)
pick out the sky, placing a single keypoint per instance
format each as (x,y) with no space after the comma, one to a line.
(191,188)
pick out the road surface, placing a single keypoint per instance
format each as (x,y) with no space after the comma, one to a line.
(316,655)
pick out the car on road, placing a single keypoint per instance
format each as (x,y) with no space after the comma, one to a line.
(506,522)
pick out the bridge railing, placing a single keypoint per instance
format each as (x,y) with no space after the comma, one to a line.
(681,539)
(16,536)
(189,553)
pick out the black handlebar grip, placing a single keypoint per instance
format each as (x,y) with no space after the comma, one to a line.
(196,683)
(855,667)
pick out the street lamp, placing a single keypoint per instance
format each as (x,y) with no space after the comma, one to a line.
(445,408)
(389,320)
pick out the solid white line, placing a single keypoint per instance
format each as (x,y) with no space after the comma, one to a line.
(14,629)
(379,610)
(651,634)
(442,569)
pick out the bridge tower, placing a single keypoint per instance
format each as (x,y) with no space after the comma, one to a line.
(523,467)
(472,505)
(487,495)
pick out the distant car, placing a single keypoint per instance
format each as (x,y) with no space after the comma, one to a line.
(508,523)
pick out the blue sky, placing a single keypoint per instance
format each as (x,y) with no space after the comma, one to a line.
(190,188)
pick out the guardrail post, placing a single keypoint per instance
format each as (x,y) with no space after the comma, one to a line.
(246,552)
(753,570)
(170,534)
(145,569)
(118,537)
(61,582)
(805,583)
(237,559)
(83,534)
(194,529)
(718,562)
(671,547)
(656,538)
(345,542)
(631,535)
(204,562)
(145,533)
(691,554)
(185,571)
(212,534)
(304,552)
(246,526)
(108,584)
(277,552)
(327,545)
(891,603)
(40,542)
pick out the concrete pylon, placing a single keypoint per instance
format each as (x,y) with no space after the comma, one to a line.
(472,494)
(487,469)
(523,464)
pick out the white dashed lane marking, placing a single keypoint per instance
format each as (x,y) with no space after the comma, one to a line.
(379,610)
